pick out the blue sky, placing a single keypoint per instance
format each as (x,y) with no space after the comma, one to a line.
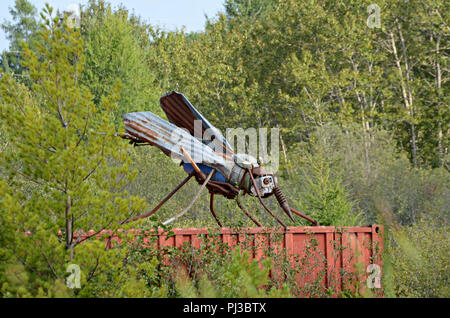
(170,14)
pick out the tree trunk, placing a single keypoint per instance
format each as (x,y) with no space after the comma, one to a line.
(438,79)
(69,226)
(407,98)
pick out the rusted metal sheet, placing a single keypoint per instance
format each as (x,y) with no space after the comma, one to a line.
(333,258)
(147,127)
(183,114)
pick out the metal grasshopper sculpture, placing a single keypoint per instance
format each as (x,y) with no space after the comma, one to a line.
(210,160)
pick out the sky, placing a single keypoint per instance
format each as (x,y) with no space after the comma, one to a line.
(169,14)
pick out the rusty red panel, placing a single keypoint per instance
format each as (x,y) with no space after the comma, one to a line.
(334,257)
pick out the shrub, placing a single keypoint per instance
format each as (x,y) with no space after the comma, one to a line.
(420,258)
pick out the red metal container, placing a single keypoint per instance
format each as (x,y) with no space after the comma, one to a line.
(337,259)
(333,260)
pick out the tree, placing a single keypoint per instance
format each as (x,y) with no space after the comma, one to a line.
(23,29)
(116,45)
(248,9)
(419,255)
(414,35)
(324,196)
(66,167)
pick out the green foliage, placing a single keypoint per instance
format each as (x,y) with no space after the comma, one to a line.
(24,14)
(126,279)
(244,9)
(419,256)
(372,173)
(306,64)
(116,47)
(362,114)
(24,29)
(68,176)
(244,279)
(323,195)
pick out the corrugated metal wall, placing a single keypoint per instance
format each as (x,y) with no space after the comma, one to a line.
(340,252)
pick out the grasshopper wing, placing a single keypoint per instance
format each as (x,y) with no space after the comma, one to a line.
(183,114)
(147,128)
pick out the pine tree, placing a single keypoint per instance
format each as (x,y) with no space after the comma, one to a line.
(22,29)
(116,44)
(66,168)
